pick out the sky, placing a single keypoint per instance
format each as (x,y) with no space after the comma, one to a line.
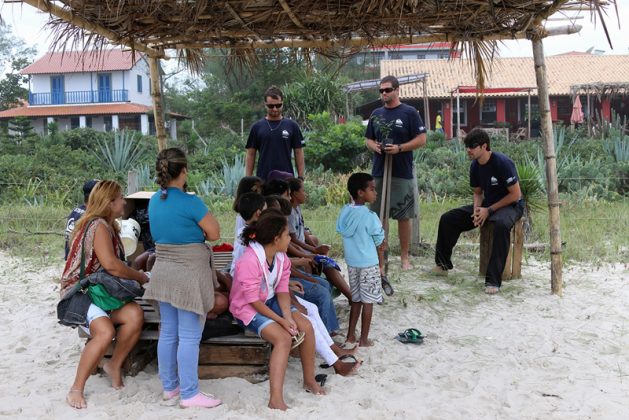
(28,24)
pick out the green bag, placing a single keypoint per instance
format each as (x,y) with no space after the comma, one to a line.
(101,298)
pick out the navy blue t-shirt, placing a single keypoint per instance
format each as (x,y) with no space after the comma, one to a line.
(493,177)
(405,124)
(274,140)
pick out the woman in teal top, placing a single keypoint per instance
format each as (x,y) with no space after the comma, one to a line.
(182,280)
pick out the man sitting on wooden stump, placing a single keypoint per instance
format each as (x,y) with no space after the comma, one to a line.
(497,199)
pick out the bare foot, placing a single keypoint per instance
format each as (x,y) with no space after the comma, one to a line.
(492,290)
(439,271)
(75,399)
(346,369)
(115,375)
(365,343)
(340,351)
(314,388)
(278,405)
(406,264)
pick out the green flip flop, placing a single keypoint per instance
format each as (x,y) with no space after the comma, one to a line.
(410,336)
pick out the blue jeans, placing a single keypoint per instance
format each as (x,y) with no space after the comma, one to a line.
(320,294)
(178,349)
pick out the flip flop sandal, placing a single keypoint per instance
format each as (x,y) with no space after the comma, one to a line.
(386,286)
(344,357)
(321,378)
(298,339)
(410,336)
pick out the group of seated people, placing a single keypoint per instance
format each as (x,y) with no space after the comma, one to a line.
(276,286)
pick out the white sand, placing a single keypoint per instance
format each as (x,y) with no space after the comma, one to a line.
(520,354)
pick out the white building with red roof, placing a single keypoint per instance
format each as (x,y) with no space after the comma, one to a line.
(106,90)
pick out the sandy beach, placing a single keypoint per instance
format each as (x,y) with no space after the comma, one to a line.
(522,354)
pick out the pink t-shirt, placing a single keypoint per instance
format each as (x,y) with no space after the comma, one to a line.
(250,285)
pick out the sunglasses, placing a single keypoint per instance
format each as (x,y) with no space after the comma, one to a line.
(386,90)
(472,146)
(276,106)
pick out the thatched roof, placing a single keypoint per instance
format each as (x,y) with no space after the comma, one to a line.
(244,25)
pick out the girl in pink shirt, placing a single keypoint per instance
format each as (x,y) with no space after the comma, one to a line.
(260,300)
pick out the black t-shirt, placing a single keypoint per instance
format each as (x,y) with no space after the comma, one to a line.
(493,177)
(274,140)
(405,124)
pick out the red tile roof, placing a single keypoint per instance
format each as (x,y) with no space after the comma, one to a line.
(79,62)
(73,110)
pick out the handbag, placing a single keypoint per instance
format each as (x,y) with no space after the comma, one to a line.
(97,292)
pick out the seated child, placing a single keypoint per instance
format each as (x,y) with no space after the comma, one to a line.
(246,184)
(296,225)
(249,207)
(260,300)
(363,242)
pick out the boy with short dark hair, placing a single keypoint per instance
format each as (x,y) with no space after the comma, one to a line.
(363,244)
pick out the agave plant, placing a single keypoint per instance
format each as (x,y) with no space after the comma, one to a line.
(121,154)
(532,192)
(232,175)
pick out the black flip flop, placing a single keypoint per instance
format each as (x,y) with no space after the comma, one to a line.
(386,286)
(321,378)
(342,358)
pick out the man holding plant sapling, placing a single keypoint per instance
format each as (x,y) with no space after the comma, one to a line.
(396,129)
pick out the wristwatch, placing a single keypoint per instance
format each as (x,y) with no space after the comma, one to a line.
(300,177)
(490,211)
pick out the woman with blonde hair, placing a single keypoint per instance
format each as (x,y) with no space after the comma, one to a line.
(96,245)
(182,281)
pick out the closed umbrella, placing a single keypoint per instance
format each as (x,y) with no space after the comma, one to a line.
(577,112)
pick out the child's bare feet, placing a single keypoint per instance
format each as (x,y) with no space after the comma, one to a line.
(340,351)
(115,375)
(406,264)
(365,342)
(76,399)
(314,388)
(278,405)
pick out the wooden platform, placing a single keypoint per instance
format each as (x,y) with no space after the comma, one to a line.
(244,355)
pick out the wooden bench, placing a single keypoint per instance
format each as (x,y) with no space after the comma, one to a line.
(513,267)
(243,355)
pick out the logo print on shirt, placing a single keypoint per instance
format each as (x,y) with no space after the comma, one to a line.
(399,123)
(494,181)
(285,134)
(510,179)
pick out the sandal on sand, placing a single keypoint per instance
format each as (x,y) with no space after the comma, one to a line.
(298,339)
(410,336)
(386,286)
(343,358)
(321,378)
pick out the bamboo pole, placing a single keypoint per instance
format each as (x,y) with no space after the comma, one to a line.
(528,114)
(589,113)
(426,105)
(552,186)
(458,114)
(451,116)
(158,108)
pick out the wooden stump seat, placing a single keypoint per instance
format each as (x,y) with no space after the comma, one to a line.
(513,267)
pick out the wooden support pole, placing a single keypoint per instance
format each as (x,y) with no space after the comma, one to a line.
(426,105)
(552,186)
(158,107)
(528,114)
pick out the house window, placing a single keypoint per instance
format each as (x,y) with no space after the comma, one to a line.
(421,56)
(444,55)
(139,83)
(462,111)
(88,122)
(75,122)
(57,90)
(488,112)
(129,122)
(395,56)
(107,123)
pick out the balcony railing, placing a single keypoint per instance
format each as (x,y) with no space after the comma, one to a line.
(78,97)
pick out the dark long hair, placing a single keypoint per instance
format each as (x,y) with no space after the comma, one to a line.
(247,184)
(168,166)
(269,225)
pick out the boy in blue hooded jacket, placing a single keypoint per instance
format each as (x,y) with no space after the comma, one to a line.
(363,244)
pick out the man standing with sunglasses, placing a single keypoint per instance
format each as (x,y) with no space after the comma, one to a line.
(396,129)
(275,137)
(497,198)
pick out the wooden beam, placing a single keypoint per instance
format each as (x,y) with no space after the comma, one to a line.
(158,108)
(552,186)
(356,42)
(68,16)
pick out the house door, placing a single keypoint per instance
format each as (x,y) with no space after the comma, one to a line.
(56,89)
(104,87)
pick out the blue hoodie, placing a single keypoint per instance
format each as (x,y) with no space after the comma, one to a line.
(362,233)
